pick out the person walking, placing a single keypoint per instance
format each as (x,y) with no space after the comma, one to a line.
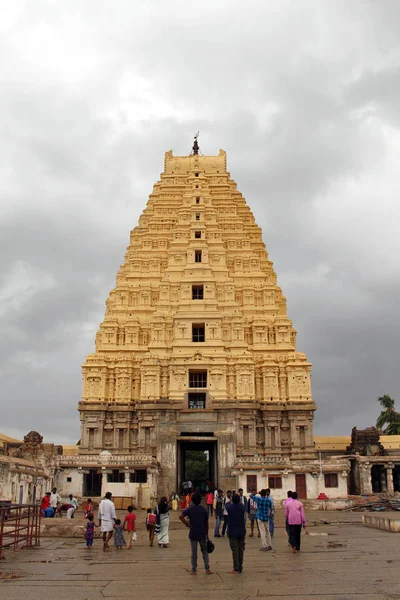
(162,523)
(45,503)
(236,531)
(263,515)
(210,502)
(151,521)
(294,514)
(219,512)
(252,512)
(130,525)
(228,499)
(272,514)
(107,518)
(174,501)
(288,499)
(196,519)
(89,533)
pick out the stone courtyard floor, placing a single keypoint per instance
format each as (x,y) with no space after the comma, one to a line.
(338,562)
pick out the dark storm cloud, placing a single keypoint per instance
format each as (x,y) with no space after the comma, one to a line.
(303,96)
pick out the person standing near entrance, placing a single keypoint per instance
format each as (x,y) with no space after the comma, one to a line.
(198,525)
(272,514)
(288,499)
(236,531)
(190,487)
(219,511)
(162,523)
(294,514)
(252,512)
(210,502)
(228,499)
(243,500)
(107,518)
(263,515)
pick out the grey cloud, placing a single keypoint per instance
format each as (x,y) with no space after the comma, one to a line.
(285,90)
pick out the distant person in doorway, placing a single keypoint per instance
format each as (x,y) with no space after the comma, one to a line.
(175,501)
(263,515)
(210,502)
(107,519)
(294,514)
(236,531)
(184,488)
(190,486)
(285,502)
(228,499)
(271,521)
(162,527)
(196,519)
(219,512)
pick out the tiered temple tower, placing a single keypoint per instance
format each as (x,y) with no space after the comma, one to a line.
(196,349)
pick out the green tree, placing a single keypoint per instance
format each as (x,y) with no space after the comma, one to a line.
(389,420)
(196,466)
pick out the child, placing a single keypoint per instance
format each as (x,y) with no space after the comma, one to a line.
(130,525)
(119,539)
(151,520)
(89,533)
(88,508)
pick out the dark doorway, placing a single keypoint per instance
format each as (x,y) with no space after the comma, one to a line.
(396,478)
(92,484)
(378,479)
(197,461)
(301,487)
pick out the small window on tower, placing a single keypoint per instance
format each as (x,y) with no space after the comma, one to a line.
(198,332)
(197,216)
(197,235)
(197,199)
(197,256)
(197,292)
(197,379)
(196,174)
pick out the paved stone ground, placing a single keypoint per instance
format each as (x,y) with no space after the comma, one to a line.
(337,562)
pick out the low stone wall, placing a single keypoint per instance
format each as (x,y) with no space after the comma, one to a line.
(386,522)
(64,528)
(334,504)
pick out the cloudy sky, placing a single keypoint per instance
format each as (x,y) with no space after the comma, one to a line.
(303,95)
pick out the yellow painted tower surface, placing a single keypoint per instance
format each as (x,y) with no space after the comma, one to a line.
(196,322)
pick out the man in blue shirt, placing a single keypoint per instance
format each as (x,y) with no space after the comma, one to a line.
(264,507)
(198,524)
(236,531)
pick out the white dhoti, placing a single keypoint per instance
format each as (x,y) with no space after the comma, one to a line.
(106,526)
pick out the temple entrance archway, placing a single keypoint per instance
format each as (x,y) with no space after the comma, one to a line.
(92,484)
(197,461)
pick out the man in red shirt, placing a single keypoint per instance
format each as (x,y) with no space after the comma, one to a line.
(45,503)
(130,525)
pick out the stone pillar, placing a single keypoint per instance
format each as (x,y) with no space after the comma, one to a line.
(389,478)
(365,478)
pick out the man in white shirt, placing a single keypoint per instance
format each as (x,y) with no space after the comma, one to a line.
(190,486)
(107,517)
(73,501)
(55,500)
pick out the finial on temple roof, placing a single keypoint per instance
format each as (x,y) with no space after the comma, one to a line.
(196,144)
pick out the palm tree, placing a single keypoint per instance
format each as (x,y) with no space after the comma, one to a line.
(389,420)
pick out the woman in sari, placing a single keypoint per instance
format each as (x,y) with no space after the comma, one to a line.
(162,523)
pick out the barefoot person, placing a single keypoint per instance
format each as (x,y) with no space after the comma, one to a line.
(236,531)
(107,518)
(294,514)
(196,519)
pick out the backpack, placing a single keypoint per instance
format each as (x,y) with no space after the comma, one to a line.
(151,519)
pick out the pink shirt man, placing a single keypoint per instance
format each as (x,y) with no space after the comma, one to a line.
(294,513)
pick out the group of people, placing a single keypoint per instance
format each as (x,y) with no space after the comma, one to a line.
(51,505)
(233,510)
